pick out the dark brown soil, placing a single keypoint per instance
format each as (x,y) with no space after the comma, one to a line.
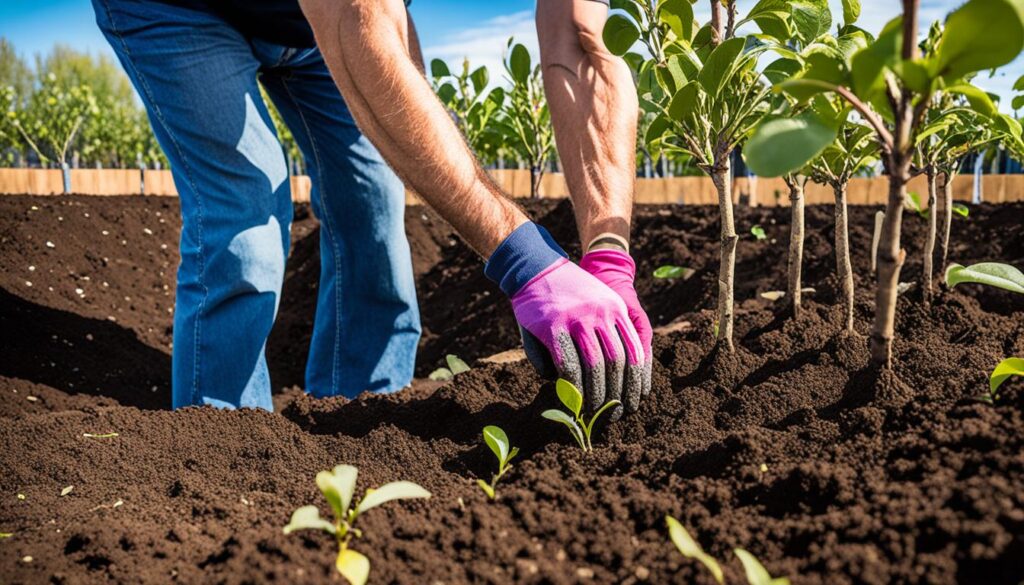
(898,477)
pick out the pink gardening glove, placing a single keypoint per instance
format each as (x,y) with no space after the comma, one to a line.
(616,269)
(570,318)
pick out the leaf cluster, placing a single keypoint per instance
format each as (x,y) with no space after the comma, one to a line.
(572,399)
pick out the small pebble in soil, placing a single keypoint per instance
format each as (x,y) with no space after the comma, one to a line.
(585,573)
(642,573)
(26,559)
(79,292)
(49,244)
(28,283)
(31,268)
(147,231)
(31,398)
(105,233)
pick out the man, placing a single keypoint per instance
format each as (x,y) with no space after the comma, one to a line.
(195,64)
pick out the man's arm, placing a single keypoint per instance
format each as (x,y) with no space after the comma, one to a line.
(366,45)
(594,111)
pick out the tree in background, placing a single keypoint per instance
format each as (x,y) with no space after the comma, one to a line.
(476,110)
(525,123)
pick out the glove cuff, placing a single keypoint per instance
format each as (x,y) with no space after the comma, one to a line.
(609,260)
(524,254)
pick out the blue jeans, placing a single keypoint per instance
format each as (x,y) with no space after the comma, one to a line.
(197,76)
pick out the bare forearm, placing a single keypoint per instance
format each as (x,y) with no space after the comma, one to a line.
(365,44)
(594,110)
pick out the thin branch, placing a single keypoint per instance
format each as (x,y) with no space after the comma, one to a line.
(870,116)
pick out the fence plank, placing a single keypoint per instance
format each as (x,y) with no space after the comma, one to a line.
(516,182)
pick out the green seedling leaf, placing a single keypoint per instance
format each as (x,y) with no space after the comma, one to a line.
(600,411)
(690,549)
(994,274)
(66,490)
(961,209)
(755,571)
(565,419)
(308,518)
(353,566)
(486,487)
(103,436)
(441,375)
(758,232)
(456,365)
(1013,366)
(6,534)
(669,271)
(338,486)
(497,440)
(396,490)
(570,396)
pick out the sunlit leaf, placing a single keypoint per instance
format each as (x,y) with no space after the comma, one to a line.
(308,518)
(669,271)
(785,145)
(994,274)
(456,365)
(980,35)
(497,440)
(758,232)
(1013,366)
(396,490)
(755,572)
(353,566)
(338,486)
(569,395)
(961,209)
(620,34)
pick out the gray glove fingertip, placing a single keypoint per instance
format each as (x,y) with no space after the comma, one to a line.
(538,355)
(633,387)
(571,369)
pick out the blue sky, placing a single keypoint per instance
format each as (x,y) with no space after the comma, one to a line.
(449,29)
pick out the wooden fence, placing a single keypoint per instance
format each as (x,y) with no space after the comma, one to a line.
(680,190)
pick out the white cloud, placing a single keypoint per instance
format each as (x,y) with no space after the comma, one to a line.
(485,43)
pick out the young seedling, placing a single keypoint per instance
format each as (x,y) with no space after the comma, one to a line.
(753,569)
(573,400)
(498,441)
(669,271)
(758,232)
(691,549)
(338,487)
(961,210)
(1009,367)
(455,367)
(994,274)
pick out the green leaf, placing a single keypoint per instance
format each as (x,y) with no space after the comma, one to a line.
(497,440)
(486,487)
(569,395)
(961,209)
(690,549)
(479,79)
(869,63)
(519,64)
(720,64)
(446,93)
(678,15)
(620,34)
(353,566)
(684,104)
(980,35)
(597,415)
(781,69)
(308,518)
(1009,367)
(338,486)
(851,11)
(670,271)
(6,534)
(912,202)
(441,374)
(456,365)
(786,145)
(439,68)
(758,232)
(755,571)
(980,101)
(396,490)
(812,18)
(994,274)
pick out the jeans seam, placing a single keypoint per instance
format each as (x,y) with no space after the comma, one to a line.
(188,173)
(329,227)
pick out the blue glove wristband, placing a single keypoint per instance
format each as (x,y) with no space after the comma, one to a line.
(525,253)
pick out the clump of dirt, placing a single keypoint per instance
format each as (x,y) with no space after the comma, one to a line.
(792,448)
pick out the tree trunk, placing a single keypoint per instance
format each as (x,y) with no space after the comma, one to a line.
(890,261)
(929,244)
(727,262)
(947,219)
(535,174)
(844,268)
(796,242)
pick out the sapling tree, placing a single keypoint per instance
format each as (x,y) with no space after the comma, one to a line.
(525,122)
(498,442)
(338,487)
(474,108)
(702,85)
(891,87)
(572,399)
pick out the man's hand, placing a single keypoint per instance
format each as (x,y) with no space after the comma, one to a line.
(583,326)
(616,269)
